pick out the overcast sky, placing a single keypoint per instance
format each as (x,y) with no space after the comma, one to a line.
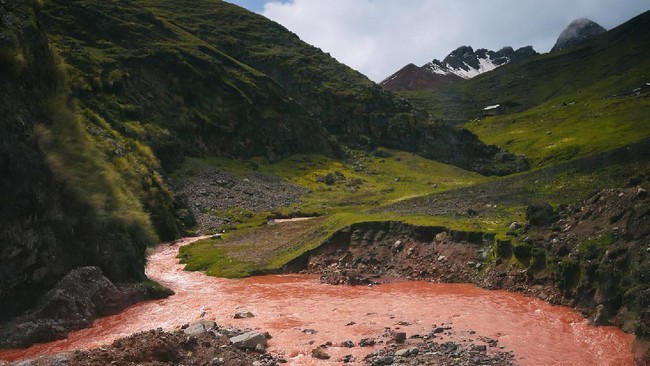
(378,37)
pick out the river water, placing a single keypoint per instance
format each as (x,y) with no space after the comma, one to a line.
(287,305)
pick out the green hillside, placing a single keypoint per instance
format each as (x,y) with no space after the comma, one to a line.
(561,106)
(104,101)
(613,63)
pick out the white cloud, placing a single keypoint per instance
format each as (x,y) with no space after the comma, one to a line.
(377,37)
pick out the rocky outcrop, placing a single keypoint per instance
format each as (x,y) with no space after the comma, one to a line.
(158,347)
(75,302)
(577,32)
(46,227)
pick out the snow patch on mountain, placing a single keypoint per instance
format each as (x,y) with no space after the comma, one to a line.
(462,63)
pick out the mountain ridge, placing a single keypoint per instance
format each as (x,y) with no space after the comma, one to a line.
(461,64)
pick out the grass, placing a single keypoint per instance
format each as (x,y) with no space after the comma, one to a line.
(566,129)
(362,181)
(268,248)
(369,182)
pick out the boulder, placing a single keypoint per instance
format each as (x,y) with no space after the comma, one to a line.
(80,297)
(243,315)
(200,327)
(540,214)
(320,353)
(249,341)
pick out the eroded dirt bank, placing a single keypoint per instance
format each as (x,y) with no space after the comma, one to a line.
(313,323)
(593,256)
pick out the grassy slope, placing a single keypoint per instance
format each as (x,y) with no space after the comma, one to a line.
(581,121)
(569,127)
(563,104)
(612,63)
(370,183)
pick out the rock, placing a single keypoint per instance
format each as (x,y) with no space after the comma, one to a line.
(441,236)
(366,342)
(200,327)
(442,258)
(539,214)
(402,352)
(347,343)
(248,340)
(348,359)
(320,353)
(309,331)
(80,297)
(397,245)
(641,193)
(243,315)
(399,337)
(600,316)
(514,226)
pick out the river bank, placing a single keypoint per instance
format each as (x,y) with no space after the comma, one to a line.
(301,315)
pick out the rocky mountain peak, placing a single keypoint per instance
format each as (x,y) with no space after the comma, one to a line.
(462,63)
(577,32)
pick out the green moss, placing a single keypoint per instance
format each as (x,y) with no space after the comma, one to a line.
(522,253)
(595,248)
(537,258)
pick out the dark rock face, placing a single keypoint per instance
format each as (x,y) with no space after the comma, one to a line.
(577,32)
(75,302)
(45,230)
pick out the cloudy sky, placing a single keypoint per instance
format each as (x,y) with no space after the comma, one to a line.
(378,37)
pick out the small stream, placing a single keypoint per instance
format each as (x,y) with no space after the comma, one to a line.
(285,305)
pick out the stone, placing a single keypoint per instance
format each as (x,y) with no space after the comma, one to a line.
(402,352)
(260,348)
(539,214)
(320,353)
(600,316)
(441,236)
(243,315)
(248,340)
(348,359)
(347,343)
(641,193)
(399,337)
(366,342)
(442,258)
(200,327)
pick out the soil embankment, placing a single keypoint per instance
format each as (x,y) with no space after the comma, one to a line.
(593,256)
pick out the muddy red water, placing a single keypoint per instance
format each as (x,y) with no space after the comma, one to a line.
(538,333)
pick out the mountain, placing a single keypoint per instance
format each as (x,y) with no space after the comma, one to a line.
(461,64)
(613,62)
(102,101)
(577,32)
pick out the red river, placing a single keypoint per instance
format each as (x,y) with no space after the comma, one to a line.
(284,305)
